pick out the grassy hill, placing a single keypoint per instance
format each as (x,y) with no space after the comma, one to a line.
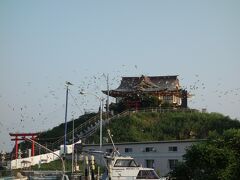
(155,126)
(150,126)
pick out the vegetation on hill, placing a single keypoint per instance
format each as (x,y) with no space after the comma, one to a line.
(155,126)
(150,126)
(58,131)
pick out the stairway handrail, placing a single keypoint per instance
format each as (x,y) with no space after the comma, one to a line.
(121,114)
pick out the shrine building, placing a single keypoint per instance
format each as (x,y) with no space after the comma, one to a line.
(166,89)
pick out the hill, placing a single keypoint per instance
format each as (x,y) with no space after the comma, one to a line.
(155,126)
(148,126)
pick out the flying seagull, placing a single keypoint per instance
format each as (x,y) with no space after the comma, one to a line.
(68,83)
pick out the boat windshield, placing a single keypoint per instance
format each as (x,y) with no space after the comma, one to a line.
(125,163)
(147,174)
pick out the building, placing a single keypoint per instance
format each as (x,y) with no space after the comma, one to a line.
(160,155)
(165,89)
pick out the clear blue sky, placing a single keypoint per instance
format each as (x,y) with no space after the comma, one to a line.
(44,43)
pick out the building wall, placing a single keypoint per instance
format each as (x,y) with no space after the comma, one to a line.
(161,155)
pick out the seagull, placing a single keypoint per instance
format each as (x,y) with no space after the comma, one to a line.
(68,83)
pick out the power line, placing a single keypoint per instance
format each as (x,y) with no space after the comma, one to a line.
(75,102)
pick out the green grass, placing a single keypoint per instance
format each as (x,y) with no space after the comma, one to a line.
(57,166)
(155,126)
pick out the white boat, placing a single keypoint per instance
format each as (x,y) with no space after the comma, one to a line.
(125,168)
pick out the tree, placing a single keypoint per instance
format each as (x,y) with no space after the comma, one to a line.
(149,101)
(216,158)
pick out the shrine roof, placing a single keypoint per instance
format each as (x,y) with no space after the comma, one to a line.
(148,84)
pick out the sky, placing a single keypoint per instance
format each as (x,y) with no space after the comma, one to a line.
(45,43)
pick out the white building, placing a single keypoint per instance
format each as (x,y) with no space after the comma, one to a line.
(160,155)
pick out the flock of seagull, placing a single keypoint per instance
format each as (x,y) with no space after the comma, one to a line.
(94,84)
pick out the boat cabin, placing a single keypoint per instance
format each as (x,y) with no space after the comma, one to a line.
(120,167)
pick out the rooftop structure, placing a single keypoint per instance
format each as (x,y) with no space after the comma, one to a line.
(165,88)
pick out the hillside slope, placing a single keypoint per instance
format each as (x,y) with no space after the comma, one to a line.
(149,126)
(155,126)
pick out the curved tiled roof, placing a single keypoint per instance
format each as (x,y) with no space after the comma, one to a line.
(147,84)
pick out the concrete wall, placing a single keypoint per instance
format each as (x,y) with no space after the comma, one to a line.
(39,159)
(31,161)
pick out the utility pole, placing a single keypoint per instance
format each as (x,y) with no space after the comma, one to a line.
(101,100)
(107,97)
(73,146)
(65,129)
(101,112)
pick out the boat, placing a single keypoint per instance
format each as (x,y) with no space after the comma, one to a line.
(124,167)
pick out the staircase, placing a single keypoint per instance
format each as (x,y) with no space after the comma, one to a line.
(86,129)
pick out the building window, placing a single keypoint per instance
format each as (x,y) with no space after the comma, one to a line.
(168,99)
(109,150)
(172,163)
(150,149)
(150,163)
(128,150)
(172,148)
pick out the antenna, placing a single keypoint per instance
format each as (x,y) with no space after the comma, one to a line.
(114,147)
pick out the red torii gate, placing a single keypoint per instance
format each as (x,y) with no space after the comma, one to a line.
(21,136)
